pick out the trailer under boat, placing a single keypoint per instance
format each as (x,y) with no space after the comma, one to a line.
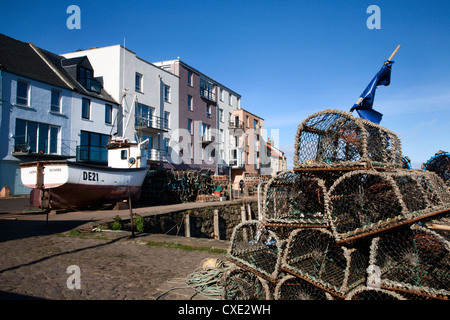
(68,184)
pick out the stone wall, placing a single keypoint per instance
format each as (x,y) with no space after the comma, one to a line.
(201,221)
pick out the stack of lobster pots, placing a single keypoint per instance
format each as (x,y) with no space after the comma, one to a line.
(348,222)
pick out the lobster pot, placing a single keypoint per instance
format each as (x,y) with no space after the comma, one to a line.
(240,284)
(313,255)
(436,192)
(333,138)
(295,199)
(257,249)
(414,260)
(440,164)
(365,293)
(293,288)
(365,202)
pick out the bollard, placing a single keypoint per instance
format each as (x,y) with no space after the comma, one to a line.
(187,226)
(216,225)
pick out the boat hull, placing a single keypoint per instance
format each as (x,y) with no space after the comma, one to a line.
(65,184)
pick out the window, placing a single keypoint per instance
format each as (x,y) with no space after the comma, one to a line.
(190,103)
(190,126)
(92,147)
(255,124)
(108,113)
(166,119)
(35,137)
(208,111)
(190,79)
(221,136)
(229,100)
(206,90)
(54,139)
(166,93)
(138,82)
(221,94)
(144,116)
(86,108)
(22,93)
(123,155)
(166,145)
(85,77)
(221,115)
(55,105)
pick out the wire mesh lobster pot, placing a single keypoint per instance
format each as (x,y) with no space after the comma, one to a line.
(440,164)
(364,202)
(334,138)
(294,288)
(257,249)
(295,199)
(240,284)
(313,255)
(414,260)
(365,293)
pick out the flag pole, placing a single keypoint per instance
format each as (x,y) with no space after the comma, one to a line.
(388,60)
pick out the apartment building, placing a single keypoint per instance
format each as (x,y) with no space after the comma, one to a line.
(205,108)
(51,108)
(152,98)
(247,149)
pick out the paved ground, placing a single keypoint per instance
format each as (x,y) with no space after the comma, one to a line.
(35,256)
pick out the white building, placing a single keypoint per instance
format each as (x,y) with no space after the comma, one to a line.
(152,96)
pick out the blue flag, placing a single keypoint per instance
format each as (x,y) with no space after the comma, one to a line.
(364,106)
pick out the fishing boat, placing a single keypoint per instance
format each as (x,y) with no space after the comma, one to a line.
(69,184)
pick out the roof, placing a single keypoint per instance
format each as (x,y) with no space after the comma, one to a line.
(59,62)
(25,59)
(20,58)
(276,152)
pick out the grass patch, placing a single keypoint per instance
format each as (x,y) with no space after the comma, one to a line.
(184,247)
(81,235)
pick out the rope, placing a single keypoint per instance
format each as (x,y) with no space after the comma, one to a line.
(206,281)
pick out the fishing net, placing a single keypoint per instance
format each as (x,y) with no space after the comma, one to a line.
(293,288)
(333,138)
(295,199)
(239,284)
(364,293)
(254,247)
(414,260)
(313,255)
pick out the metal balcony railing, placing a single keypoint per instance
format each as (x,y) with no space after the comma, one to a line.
(151,122)
(236,125)
(157,155)
(208,94)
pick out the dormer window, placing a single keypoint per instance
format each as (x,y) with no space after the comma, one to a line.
(86,79)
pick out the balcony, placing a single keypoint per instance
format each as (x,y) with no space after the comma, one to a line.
(157,156)
(28,149)
(207,90)
(233,125)
(207,139)
(149,124)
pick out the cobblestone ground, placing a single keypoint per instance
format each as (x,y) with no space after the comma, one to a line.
(112,266)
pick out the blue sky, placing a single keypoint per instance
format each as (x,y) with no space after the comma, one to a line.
(288,59)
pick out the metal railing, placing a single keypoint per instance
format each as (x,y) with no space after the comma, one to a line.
(150,121)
